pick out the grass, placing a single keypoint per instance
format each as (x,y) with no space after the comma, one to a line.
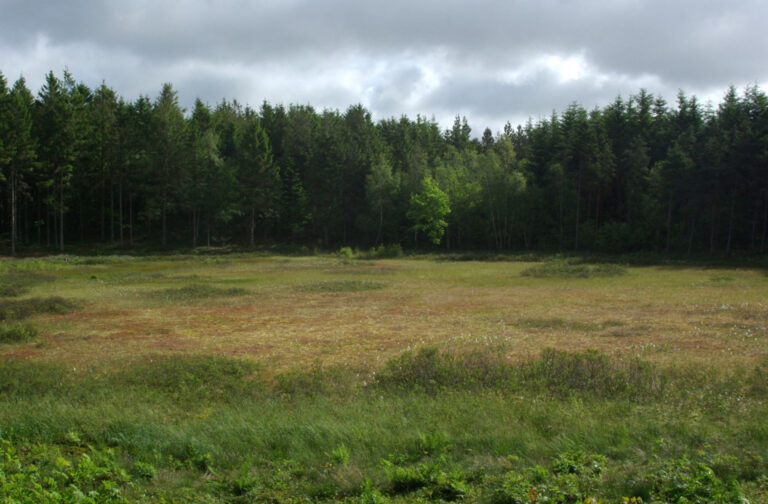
(195,292)
(16,283)
(241,378)
(17,333)
(340,286)
(570,269)
(428,425)
(25,308)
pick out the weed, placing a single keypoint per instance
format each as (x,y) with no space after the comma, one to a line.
(437,478)
(144,470)
(91,477)
(687,480)
(340,455)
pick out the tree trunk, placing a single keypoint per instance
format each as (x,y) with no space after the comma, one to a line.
(61,212)
(712,226)
(111,212)
(13,212)
(120,203)
(691,234)
(130,219)
(194,240)
(597,211)
(252,239)
(578,212)
(753,233)
(562,228)
(765,223)
(381,224)
(669,224)
(730,223)
(163,240)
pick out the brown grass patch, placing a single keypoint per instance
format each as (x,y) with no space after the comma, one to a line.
(456,306)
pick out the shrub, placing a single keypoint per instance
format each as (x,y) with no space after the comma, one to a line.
(346,253)
(385,251)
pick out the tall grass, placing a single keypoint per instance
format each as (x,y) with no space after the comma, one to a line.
(427,425)
(18,309)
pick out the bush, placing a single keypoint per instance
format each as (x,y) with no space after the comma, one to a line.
(347,253)
(385,251)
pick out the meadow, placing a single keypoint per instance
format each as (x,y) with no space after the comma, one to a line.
(354,378)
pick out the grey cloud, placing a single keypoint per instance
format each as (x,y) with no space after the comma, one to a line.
(281,47)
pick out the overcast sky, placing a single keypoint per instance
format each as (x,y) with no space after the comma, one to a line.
(490,60)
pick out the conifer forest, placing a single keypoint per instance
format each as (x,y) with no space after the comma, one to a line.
(81,165)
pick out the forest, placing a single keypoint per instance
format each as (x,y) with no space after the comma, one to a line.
(81,165)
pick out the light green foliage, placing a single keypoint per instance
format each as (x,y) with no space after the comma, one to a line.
(49,477)
(428,209)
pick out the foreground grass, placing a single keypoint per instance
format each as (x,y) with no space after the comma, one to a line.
(424,427)
(269,379)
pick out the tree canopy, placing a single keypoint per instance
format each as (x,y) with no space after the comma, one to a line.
(85,165)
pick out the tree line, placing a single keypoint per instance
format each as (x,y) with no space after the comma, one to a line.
(85,165)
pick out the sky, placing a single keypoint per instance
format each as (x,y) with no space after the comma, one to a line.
(492,61)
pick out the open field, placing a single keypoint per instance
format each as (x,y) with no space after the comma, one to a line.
(246,378)
(288,312)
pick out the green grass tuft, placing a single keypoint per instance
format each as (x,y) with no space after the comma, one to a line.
(17,333)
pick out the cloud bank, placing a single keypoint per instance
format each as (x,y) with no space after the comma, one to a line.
(491,60)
